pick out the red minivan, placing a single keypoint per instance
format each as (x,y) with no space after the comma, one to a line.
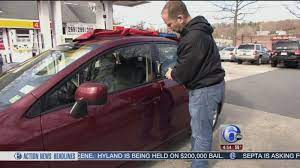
(104,92)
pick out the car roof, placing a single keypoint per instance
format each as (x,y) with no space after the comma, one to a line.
(121,35)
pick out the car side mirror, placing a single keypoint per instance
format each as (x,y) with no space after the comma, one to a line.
(79,109)
(88,94)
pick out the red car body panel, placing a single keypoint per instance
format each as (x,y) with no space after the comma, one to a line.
(18,133)
(118,125)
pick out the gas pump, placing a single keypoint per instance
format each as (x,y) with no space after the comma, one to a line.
(21,41)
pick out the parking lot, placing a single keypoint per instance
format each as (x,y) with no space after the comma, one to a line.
(263,102)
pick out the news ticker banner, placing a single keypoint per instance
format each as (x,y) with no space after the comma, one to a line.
(142,155)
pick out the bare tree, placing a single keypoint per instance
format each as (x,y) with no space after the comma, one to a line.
(295,10)
(234,10)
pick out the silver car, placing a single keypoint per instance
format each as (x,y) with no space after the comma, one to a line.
(228,54)
(254,53)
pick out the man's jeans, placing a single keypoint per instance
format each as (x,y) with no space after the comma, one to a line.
(203,104)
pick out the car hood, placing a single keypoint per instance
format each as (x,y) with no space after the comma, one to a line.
(2,107)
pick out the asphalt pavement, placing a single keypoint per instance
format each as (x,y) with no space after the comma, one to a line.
(8,66)
(276,92)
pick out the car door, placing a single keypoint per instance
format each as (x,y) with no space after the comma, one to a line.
(132,90)
(129,111)
(61,132)
(266,55)
(258,49)
(173,107)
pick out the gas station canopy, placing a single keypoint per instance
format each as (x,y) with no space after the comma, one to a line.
(72,11)
(130,3)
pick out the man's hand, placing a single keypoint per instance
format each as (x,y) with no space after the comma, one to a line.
(168,74)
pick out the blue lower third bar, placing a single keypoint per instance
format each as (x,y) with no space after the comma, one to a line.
(145,155)
(166,155)
(151,155)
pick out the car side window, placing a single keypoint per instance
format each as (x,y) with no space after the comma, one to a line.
(257,47)
(167,56)
(65,92)
(124,68)
(120,69)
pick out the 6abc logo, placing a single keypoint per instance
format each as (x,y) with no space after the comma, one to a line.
(229,135)
(18,156)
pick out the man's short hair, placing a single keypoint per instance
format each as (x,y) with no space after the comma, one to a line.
(176,8)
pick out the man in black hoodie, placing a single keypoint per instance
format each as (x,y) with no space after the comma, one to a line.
(199,69)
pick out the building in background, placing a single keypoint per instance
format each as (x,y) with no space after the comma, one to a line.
(262,33)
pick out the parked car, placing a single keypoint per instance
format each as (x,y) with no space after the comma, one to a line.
(221,48)
(266,50)
(105,92)
(253,53)
(287,52)
(228,54)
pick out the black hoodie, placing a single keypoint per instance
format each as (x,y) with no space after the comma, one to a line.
(198,63)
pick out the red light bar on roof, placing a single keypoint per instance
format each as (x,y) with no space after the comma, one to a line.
(117,32)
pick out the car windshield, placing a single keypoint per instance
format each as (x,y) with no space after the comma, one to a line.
(286,45)
(23,78)
(246,47)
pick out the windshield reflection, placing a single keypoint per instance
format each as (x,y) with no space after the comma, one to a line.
(25,77)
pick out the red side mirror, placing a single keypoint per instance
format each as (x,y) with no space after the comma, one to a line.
(92,93)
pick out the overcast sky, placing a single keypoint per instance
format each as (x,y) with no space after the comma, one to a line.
(150,12)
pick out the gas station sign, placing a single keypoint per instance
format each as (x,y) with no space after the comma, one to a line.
(36,25)
(78,28)
(18,23)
